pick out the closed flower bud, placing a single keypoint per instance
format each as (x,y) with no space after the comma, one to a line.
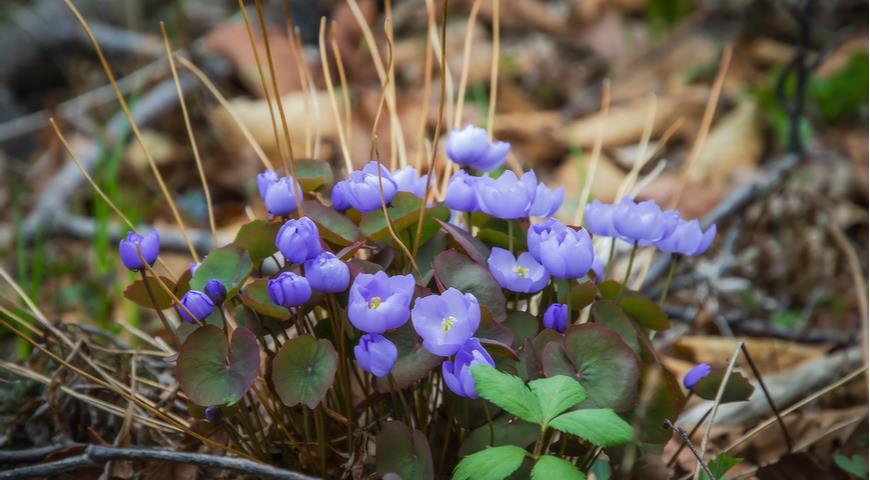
(521,274)
(378,302)
(457,372)
(364,187)
(695,374)
(375,354)
(281,196)
(216,291)
(199,305)
(460,193)
(213,414)
(640,222)
(339,197)
(507,196)
(289,290)
(298,240)
(567,253)
(599,219)
(327,273)
(540,231)
(149,246)
(470,147)
(446,321)
(556,317)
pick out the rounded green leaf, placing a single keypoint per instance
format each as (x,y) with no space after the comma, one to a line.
(608,313)
(599,426)
(664,400)
(645,311)
(209,373)
(549,467)
(738,388)
(404,211)
(582,294)
(333,226)
(403,452)
(230,264)
(313,174)
(453,269)
(138,294)
(494,463)
(303,370)
(258,239)
(523,325)
(601,361)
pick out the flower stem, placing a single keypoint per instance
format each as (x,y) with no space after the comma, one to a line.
(163,318)
(539,443)
(489,422)
(511,236)
(674,260)
(610,257)
(628,270)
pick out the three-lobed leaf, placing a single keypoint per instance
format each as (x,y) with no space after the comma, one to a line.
(549,467)
(493,463)
(599,426)
(507,391)
(556,394)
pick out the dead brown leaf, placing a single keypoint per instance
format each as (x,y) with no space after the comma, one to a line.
(770,355)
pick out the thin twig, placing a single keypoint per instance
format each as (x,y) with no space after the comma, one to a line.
(688,442)
(718,400)
(788,441)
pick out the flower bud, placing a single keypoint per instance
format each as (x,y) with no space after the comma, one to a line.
(264,180)
(375,354)
(213,414)
(198,303)
(149,246)
(281,196)
(457,372)
(460,193)
(289,290)
(299,240)
(556,317)
(327,273)
(216,291)
(695,375)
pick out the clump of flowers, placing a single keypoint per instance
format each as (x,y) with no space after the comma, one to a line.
(315,301)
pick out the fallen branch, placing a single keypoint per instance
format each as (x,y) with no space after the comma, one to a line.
(96,455)
(785,388)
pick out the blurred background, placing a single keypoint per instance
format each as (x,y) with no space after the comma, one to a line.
(777,90)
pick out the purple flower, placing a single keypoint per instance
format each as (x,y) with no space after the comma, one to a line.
(540,231)
(375,354)
(340,197)
(213,414)
(446,321)
(149,246)
(522,274)
(599,218)
(298,240)
(289,289)
(547,201)
(379,302)
(460,193)
(280,196)
(566,253)
(508,196)
(695,374)
(327,273)
(363,187)
(638,222)
(407,180)
(264,180)
(457,372)
(199,305)
(687,239)
(598,269)
(556,317)
(471,147)
(216,291)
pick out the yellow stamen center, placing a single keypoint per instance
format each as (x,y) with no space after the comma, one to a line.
(447,323)
(375,302)
(521,271)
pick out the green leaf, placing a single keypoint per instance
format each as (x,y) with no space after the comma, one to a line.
(313,174)
(549,467)
(599,426)
(600,360)
(506,430)
(453,269)
(645,311)
(665,401)
(582,294)
(258,238)
(494,463)
(137,293)
(303,370)
(738,388)
(426,256)
(255,296)
(472,246)
(209,374)
(230,264)
(506,391)
(403,452)
(333,226)
(556,394)
(522,324)
(608,313)
(403,211)
(720,465)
